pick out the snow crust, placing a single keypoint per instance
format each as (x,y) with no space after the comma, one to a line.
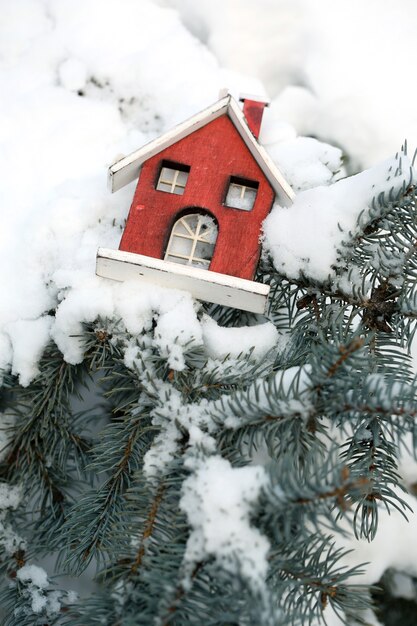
(218,500)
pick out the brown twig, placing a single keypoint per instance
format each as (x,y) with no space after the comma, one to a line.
(123,463)
(180,593)
(149,526)
(338,492)
(345,353)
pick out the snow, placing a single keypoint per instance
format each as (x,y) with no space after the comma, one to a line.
(9,496)
(72,597)
(73,74)
(36,580)
(36,589)
(335,69)
(162,452)
(218,501)
(174,417)
(306,162)
(359,52)
(294,111)
(28,339)
(225,341)
(83,83)
(74,103)
(137,305)
(306,238)
(36,575)
(394,545)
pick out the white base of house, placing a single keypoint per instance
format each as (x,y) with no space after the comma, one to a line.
(202,284)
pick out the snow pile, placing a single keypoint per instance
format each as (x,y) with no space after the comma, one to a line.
(353,67)
(306,237)
(218,500)
(306,162)
(36,581)
(264,38)
(9,496)
(223,341)
(170,415)
(28,340)
(137,305)
(173,417)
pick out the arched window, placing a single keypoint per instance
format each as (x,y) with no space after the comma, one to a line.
(192,241)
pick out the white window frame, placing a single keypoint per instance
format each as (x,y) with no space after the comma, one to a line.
(174,184)
(243,186)
(195,237)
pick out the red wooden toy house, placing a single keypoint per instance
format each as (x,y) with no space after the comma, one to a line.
(204,190)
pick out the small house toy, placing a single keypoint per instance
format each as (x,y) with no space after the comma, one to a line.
(204,189)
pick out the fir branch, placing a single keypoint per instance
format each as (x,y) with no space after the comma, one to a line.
(91,524)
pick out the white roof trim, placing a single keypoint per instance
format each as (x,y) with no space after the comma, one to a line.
(127,169)
(274,176)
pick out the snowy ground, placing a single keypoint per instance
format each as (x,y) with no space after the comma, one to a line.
(83,81)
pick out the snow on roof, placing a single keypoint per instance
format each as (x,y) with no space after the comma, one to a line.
(127,169)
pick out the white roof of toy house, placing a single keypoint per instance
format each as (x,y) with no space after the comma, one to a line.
(127,169)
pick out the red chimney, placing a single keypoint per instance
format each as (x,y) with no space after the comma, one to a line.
(253,110)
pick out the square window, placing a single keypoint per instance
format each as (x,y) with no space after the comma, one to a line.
(241,193)
(173,178)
